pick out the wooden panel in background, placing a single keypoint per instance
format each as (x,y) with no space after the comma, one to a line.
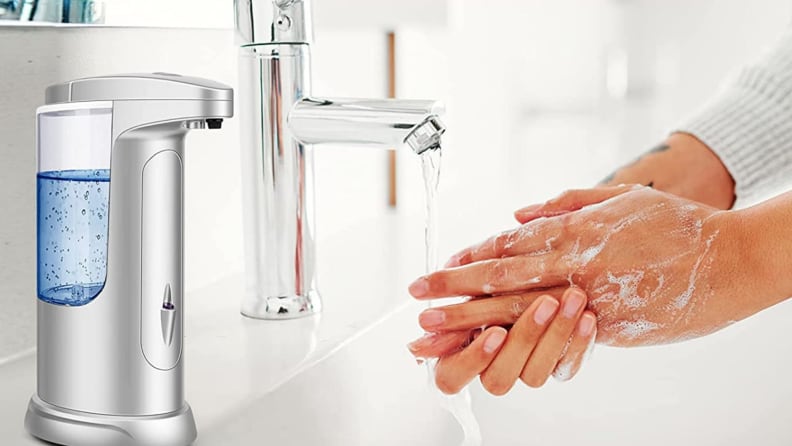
(392,195)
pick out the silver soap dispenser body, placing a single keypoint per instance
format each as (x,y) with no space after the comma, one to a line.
(110,246)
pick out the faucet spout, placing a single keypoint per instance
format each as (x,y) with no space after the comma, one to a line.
(373,122)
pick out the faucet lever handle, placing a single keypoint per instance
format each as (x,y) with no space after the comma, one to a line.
(273,21)
(284,3)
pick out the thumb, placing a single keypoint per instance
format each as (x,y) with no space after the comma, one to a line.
(570,201)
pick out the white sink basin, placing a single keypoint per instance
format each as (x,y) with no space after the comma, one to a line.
(368,392)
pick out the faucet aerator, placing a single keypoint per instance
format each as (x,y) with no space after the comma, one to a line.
(426,136)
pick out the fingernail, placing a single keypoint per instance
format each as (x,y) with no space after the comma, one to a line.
(587,324)
(494,340)
(528,209)
(422,342)
(453,262)
(545,311)
(420,287)
(431,318)
(574,301)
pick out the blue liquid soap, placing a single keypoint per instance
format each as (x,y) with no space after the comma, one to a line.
(72,235)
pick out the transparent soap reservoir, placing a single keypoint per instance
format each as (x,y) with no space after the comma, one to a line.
(73,199)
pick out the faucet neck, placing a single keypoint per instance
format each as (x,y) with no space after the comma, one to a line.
(273,21)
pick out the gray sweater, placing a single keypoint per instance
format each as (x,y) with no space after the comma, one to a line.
(749,124)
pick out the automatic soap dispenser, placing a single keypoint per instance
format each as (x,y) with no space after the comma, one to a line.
(110,277)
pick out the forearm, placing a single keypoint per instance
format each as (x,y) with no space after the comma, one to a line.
(684,166)
(766,250)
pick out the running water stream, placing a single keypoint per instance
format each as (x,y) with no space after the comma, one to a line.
(458,405)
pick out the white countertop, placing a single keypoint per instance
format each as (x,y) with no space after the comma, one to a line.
(346,378)
(239,371)
(248,386)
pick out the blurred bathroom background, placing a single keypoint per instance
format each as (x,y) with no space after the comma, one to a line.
(564,90)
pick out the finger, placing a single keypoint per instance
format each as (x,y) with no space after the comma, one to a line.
(529,212)
(537,211)
(435,345)
(572,200)
(527,239)
(455,371)
(551,347)
(523,337)
(498,310)
(577,351)
(538,236)
(498,276)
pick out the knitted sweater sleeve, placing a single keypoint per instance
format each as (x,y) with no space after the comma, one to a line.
(749,124)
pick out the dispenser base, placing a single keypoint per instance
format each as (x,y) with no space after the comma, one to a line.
(282,307)
(74,428)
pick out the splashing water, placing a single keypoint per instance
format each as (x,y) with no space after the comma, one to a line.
(458,405)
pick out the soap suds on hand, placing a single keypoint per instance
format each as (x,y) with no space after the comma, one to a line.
(635,329)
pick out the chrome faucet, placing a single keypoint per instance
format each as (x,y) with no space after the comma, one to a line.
(280,122)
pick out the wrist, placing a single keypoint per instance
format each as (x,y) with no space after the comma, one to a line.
(763,253)
(683,166)
(737,272)
(706,178)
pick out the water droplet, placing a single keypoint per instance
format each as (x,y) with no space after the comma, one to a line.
(83,211)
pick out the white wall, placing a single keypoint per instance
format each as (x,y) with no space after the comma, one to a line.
(679,50)
(528,78)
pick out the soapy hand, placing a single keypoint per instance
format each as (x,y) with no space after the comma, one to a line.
(650,263)
(549,334)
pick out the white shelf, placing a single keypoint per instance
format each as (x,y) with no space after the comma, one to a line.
(383,14)
(328,14)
